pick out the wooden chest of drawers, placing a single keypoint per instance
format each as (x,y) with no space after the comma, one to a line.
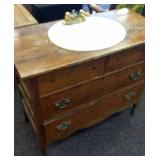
(64,91)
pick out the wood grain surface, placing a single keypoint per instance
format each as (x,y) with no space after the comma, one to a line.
(90,114)
(36,55)
(64,91)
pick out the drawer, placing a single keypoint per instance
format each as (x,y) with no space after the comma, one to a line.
(70,98)
(126,58)
(91,113)
(63,78)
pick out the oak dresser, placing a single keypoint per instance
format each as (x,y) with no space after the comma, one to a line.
(63,91)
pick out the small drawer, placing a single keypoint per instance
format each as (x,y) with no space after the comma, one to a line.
(72,75)
(91,113)
(126,58)
(70,98)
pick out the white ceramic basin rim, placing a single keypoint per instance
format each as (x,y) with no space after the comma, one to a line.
(95,33)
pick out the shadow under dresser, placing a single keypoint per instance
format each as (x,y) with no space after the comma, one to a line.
(63,91)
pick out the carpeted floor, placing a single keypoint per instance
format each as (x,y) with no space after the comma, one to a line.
(120,135)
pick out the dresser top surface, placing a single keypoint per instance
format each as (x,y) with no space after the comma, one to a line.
(36,55)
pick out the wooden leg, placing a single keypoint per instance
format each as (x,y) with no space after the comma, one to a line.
(133,109)
(39,123)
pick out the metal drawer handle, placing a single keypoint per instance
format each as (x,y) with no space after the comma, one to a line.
(135,75)
(129,96)
(63,125)
(62,103)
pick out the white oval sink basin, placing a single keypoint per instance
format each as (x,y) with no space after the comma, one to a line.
(95,33)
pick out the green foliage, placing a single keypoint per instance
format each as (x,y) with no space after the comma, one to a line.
(138,8)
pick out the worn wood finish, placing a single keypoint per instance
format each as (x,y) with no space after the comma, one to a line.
(57,80)
(126,58)
(91,113)
(22,17)
(51,82)
(66,90)
(36,55)
(38,114)
(88,91)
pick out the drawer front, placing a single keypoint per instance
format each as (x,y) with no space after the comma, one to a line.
(91,113)
(68,99)
(63,78)
(125,58)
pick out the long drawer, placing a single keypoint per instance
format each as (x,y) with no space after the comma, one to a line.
(91,113)
(70,98)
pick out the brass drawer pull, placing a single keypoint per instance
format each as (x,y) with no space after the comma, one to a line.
(135,75)
(129,96)
(63,125)
(62,103)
